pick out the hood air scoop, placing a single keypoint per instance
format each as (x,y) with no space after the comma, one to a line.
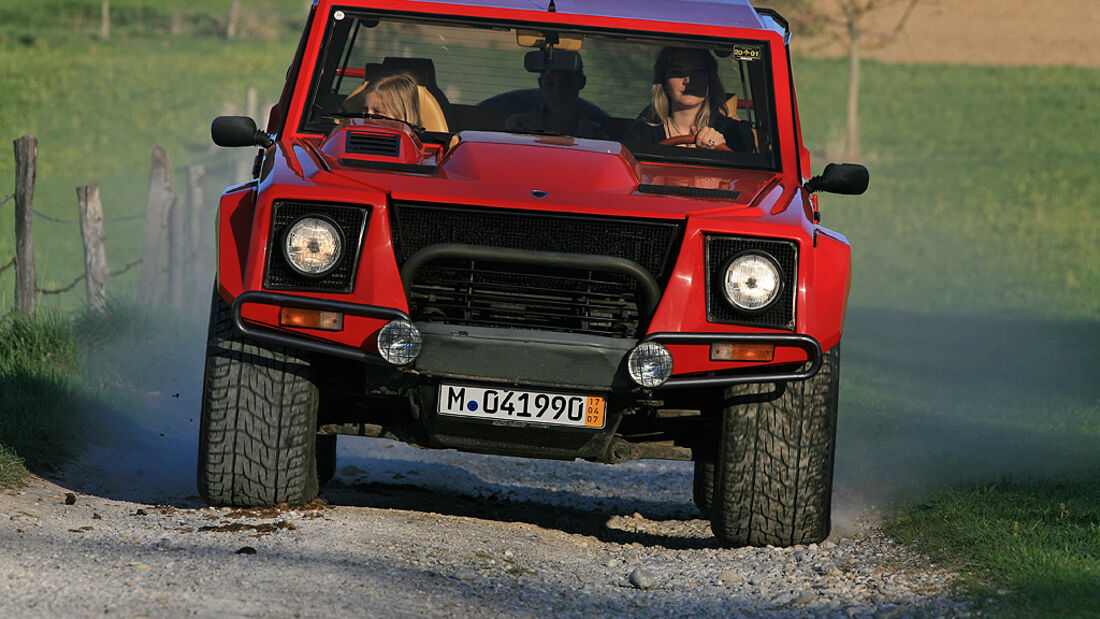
(377,144)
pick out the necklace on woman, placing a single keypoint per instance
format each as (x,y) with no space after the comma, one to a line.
(672,128)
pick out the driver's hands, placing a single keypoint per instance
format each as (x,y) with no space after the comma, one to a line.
(708,138)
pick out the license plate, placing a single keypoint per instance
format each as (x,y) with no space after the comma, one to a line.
(584,411)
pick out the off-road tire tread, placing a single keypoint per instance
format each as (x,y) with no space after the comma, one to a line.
(774,473)
(703,488)
(257,435)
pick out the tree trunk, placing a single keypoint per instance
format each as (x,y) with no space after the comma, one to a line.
(234,15)
(852,146)
(105,20)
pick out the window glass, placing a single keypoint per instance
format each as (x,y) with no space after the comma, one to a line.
(586,84)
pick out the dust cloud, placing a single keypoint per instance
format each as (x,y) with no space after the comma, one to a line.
(927,401)
(142,436)
(930,401)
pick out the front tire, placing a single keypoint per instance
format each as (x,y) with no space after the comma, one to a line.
(257,434)
(774,473)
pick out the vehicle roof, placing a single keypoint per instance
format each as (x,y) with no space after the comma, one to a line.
(724,13)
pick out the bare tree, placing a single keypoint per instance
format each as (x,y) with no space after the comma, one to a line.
(846,23)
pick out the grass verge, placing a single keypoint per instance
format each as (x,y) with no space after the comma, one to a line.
(13,473)
(39,396)
(1025,549)
(67,380)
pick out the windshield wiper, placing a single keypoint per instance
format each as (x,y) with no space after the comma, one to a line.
(541,132)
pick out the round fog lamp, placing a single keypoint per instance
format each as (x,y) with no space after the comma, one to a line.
(399,342)
(313,246)
(650,364)
(752,282)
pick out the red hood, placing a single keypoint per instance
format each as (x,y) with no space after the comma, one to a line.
(528,171)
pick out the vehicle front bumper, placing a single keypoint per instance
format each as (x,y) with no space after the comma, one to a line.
(525,357)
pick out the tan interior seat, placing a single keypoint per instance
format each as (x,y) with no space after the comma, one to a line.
(731,109)
(433,103)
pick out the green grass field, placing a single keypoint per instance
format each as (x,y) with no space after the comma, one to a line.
(970,345)
(38,384)
(135,19)
(1030,548)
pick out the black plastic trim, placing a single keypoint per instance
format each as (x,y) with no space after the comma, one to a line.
(651,292)
(378,144)
(696,192)
(721,311)
(805,342)
(277,269)
(772,13)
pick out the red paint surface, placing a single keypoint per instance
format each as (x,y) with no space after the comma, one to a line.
(579,176)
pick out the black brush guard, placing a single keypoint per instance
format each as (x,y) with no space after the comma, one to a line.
(284,338)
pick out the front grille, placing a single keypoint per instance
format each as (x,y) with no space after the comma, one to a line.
(475,291)
(280,276)
(382,145)
(719,251)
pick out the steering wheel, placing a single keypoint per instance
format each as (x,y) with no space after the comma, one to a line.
(688,139)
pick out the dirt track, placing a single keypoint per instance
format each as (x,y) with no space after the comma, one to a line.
(994,32)
(410,533)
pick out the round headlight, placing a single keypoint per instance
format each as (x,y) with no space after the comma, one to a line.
(399,342)
(649,364)
(752,282)
(313,246)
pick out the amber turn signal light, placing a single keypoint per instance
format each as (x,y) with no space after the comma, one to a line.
(741,352)
(311,319)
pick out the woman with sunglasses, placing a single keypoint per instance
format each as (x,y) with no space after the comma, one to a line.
(689,105)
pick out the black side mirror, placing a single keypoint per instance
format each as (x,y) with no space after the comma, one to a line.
(233,131)
(846,178)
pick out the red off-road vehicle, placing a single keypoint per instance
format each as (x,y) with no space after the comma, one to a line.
(531,254)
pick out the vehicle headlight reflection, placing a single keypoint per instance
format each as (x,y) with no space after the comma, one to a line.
(752,281)
(314,246)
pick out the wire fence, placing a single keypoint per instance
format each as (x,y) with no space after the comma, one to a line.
(175,233)
(177,256)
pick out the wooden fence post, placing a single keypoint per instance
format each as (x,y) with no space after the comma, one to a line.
(26,156)
(177,252)
(95,255)
(200,264)
(161,195)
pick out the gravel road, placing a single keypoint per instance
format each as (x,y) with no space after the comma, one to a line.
(408,532)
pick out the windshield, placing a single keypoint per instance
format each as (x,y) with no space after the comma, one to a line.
(703,102)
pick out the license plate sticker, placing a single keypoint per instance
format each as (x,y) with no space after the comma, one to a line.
(559,409)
